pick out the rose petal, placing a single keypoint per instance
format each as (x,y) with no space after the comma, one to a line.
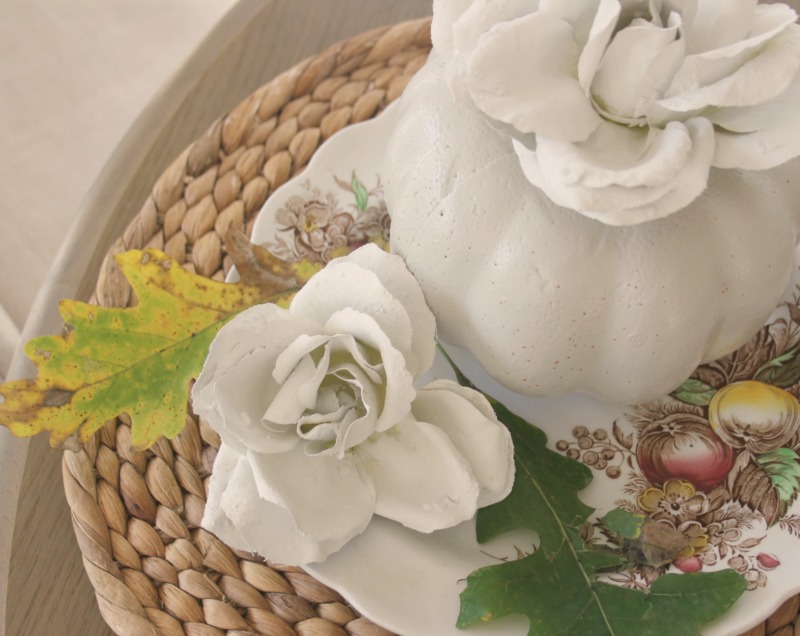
(241,398)
(328,498)
(346,285)
(637,67)
(235,386)
(297,391)
(759,137)
(420,478)
(224,465)
(740,75)
(361,337)
(581,14)
(761,149)
(239,517)
(393,273)
(235,339)
(599,36)
(466,29)
(215,518)
(481,16)
(616,204)
(762,116)
(641,157)
(523,73)
(472,426)
(718,23)
(687,9)
(445,14)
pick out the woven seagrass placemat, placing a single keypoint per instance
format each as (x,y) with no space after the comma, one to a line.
(137,514)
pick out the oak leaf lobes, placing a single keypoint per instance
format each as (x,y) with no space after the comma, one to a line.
(139,360)
(557,587)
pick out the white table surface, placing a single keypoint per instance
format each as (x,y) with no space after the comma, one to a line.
(96,97)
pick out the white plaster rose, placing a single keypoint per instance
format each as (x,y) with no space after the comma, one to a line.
(619,108)
(322,426)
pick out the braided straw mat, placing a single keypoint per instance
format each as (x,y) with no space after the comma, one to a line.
(137,514)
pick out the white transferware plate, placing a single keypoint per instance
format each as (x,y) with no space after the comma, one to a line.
(662,458)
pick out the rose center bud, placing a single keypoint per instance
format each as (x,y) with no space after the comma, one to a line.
(639,63)
(641,10)
(350,395)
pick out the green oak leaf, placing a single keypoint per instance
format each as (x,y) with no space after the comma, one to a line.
(783,469)
(557,587)
(138,360)
(694,392)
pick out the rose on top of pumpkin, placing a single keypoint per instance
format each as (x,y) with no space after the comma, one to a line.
(619,108)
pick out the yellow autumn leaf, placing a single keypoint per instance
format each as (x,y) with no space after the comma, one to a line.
(138,360)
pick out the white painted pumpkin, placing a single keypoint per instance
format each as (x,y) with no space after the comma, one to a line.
(550,301)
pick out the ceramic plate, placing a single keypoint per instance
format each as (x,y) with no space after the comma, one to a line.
(735,501)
